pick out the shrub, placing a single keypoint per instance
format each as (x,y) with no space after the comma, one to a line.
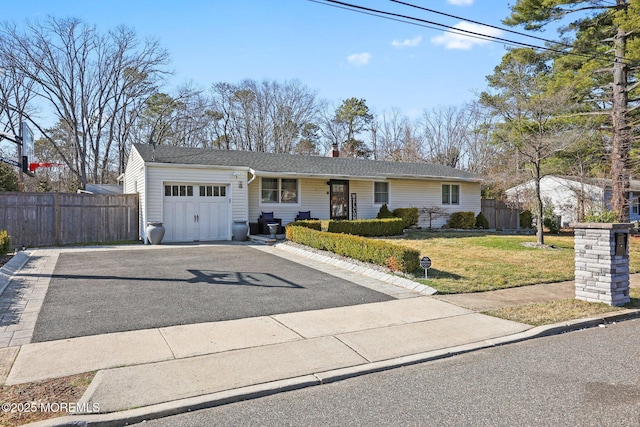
(606,216)
(384,212)
(5,242)
(393,256)
(552,224)
(433,213)
(368,227)
(482,221)
(464,220)
(526,219)
(313,224)
(408,215)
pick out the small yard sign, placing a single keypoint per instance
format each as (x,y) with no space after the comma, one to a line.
(425,262)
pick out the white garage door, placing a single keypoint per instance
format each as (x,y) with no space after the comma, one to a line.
(196,212)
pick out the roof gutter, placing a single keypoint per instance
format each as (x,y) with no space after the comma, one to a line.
(364,177)
(276,174)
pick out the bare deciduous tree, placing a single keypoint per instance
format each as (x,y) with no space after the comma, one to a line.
(267,116)
(85,78)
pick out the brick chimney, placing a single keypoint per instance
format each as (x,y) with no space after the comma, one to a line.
(334,150)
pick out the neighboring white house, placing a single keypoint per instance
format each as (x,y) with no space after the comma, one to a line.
(197,193)
(572,197)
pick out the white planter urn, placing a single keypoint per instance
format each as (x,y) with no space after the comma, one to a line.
(240,229)
(155,232)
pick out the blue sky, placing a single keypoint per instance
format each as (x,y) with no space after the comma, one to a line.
(337,53)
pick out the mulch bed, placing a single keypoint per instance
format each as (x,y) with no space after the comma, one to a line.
(4,259)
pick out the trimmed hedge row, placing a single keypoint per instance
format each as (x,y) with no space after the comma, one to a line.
(368,227)
(5,242)
(313,224)
(394,257)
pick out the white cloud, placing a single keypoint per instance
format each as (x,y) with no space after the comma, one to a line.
(460,2)
(462,41)
(407,42)
(359,59)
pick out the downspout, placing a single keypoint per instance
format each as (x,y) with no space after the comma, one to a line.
(144,211)
(252,172)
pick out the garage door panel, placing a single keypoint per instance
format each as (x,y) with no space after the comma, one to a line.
(204,216)
(217,220)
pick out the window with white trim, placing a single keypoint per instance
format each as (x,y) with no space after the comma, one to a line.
(178,190)
(450,194)
(380,193)
(213,191)
(279,190)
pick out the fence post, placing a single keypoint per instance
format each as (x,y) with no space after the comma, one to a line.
(56,217)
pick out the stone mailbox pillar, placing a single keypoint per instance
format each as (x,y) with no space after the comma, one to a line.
(602,262)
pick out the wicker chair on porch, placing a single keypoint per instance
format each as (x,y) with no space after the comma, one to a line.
(303,215)
(268,218)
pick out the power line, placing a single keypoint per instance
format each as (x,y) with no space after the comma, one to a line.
(591,55)
(397,19)
(447,28)
(478,23)
(401,18)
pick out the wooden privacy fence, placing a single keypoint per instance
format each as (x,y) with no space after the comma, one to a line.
(499,215)
(52,219)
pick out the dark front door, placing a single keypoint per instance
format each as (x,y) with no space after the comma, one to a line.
(339,199)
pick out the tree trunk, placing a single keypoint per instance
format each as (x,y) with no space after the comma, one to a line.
(540,213)
(621,140)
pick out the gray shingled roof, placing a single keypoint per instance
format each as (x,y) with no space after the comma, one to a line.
(604,183)
(299,164)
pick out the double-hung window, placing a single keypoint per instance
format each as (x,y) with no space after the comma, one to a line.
(380,193)
(279,190)
(450,194)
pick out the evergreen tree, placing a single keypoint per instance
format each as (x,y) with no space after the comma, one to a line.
(8,178)
(602,66)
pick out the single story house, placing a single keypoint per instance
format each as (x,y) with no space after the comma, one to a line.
(573,197)
(197,193)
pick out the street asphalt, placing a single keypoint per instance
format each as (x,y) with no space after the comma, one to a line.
(98,292)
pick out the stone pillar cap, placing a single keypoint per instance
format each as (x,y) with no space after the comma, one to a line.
(601,225)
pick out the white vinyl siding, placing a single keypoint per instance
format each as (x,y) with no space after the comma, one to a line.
(403,193)
(157,176)
(312,195)
(425,194)
(134,182)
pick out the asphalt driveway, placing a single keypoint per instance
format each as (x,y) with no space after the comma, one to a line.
(122,290)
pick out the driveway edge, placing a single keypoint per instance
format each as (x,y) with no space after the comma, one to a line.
(10,268)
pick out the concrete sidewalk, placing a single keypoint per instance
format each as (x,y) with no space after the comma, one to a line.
(152,373)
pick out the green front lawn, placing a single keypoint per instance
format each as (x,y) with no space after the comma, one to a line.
(476,262)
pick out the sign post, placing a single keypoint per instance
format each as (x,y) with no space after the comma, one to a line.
(425,262)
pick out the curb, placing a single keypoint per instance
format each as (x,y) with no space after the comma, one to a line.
(266,389)
(10,268)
